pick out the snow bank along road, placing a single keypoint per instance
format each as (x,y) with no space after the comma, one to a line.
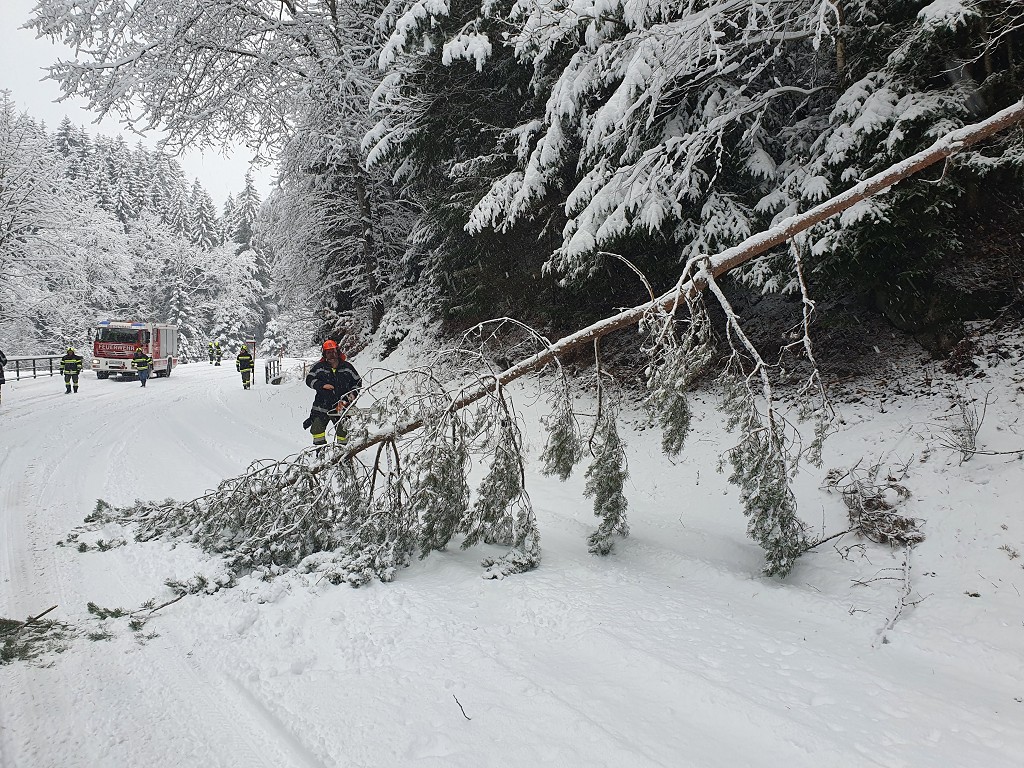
(671,652)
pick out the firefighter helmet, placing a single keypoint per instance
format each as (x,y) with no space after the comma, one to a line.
(330,344)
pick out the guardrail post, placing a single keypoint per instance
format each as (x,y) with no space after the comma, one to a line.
(272,370)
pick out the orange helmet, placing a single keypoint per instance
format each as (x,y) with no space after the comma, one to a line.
(330,344)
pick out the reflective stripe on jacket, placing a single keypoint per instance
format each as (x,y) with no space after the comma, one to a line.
(71,364)
(142,361)
(344,379)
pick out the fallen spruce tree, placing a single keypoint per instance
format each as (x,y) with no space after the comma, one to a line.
(401,486)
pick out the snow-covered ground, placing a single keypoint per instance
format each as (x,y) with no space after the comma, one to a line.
(672,651)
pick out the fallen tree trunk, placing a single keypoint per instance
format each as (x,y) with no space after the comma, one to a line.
(731,258)
(326,513)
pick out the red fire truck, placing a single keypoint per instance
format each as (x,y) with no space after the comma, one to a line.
(115,342)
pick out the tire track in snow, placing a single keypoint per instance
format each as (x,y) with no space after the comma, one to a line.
(110,703)
(276,725)
(230,452)
(32,705)
(223,700)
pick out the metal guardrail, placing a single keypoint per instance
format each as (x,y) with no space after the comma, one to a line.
(41,365)
(273,370)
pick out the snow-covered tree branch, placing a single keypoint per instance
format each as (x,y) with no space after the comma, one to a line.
(318,511)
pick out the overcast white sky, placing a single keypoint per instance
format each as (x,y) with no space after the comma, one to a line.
(22,59)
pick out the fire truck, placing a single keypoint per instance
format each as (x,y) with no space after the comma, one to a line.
(115,342)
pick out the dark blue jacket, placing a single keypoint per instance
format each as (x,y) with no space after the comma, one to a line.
(344,378)
(141,361)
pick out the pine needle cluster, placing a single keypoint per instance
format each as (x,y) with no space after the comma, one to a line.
(441,500)
(502,513)
(606,476)
(564,447)
(762,464)
(274,514)
(332,511)
(675,364)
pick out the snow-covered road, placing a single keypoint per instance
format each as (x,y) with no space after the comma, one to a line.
(671,652)
(117,441)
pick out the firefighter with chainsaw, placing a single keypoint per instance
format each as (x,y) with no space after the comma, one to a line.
(337,385)
(244,365)
(71,366)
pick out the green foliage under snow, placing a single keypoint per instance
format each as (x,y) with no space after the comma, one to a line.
(606,477)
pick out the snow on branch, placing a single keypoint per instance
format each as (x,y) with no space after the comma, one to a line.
(468,46)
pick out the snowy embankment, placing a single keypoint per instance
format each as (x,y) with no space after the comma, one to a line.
(672,651)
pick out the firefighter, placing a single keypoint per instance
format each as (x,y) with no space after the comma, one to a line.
(3,362)
(142,363)
(210,348)
(71,366)
(218,353)
(337,385)
(244,364)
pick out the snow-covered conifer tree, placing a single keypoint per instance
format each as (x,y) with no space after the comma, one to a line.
(246,212)
(183,312)
(124,204)
(141,178)
(234,307)
(175,213)
(227,219)
(68,142)
(203,226)
(274,342)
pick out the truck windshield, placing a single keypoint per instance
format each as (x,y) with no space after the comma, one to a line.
(122,335)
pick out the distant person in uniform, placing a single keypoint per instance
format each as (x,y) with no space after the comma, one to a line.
(3,362)
(210,349)
(71,366)
(142,363)
(244,365)
(337,385)
(218,353)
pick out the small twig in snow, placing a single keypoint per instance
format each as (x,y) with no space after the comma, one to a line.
(903,601)
(460,707)
(162,605)
(833,536)
(29,620)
